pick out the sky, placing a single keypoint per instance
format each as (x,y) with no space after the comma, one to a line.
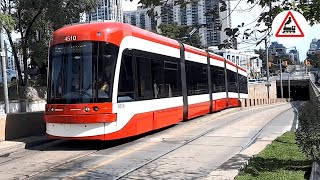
(243,13)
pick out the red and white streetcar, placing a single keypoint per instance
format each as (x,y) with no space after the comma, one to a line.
(110,80)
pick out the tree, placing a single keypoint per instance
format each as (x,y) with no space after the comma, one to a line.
(34,21)
(310,10)
(180,33)
(314,59)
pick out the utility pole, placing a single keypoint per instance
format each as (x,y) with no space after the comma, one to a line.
(4,72)
(289,86)
(267,64)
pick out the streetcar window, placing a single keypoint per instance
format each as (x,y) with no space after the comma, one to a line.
(172,77)
(170,65)
(106,65)
(126,80)
(232,81)
(157,76)
(217,79)
(157,71)
(72,73)
(145,87)
(81,72)
(243,83)
(197,81)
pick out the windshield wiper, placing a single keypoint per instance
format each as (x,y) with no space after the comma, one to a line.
(84,91)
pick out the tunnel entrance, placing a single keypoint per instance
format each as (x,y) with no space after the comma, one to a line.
(299,90)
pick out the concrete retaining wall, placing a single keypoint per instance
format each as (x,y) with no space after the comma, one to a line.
(19,125)
(259,91)
(258,95)
(24,106)
(314,93)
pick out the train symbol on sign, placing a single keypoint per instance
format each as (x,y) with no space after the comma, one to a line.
(291,29)
(288,29)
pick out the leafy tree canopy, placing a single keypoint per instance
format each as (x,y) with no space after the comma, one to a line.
(34,21)
(314,59)
(310,10)
(180,33)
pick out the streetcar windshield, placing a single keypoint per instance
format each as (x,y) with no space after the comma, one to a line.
(81,72)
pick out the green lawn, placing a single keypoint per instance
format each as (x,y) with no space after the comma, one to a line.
(279,160)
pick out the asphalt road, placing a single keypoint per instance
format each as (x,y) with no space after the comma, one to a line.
(189,150)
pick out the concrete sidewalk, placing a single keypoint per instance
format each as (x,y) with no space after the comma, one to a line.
(231,168)
(8,147)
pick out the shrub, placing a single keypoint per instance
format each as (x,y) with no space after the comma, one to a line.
(308,133)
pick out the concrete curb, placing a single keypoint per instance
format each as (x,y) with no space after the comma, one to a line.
(8,147)
(231,168)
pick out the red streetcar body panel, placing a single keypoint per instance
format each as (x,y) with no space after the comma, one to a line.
(112,32)
(76,109)
(221,104)
(80,119)
(166,117)
(199,109)
(76,114)
(234,102)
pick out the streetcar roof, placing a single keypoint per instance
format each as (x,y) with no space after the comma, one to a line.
(114,32)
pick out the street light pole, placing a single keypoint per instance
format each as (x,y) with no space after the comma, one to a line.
(281,87)
(289,86)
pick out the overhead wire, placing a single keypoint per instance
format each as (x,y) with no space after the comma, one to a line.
(229,14)
(248,9)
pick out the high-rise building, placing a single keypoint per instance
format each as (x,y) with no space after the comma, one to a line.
(198,14)
(140,18)
(314,46)
(106,10)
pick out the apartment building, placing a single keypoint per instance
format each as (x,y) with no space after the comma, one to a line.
(196,14)
(106,10)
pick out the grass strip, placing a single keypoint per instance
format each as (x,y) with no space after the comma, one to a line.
(280,160)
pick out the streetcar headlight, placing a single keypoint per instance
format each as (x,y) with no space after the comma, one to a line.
(95,108)
(86,109)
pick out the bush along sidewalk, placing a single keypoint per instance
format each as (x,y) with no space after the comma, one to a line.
(308,133)
(280,160)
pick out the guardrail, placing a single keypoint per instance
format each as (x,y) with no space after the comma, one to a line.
(314,92)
